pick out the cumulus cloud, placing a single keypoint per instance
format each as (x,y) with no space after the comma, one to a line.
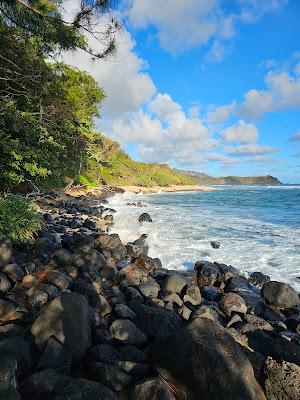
(220,114)
(181,26)
(250,150)
(241,132)
(282,92)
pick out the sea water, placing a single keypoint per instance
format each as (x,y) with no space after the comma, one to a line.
(258,228)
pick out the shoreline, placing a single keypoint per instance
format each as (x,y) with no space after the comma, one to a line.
(167,189)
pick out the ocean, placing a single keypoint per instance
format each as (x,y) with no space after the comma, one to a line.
(258,228)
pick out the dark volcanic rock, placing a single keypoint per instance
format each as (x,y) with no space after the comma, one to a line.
(14,272)
(232,302)
(56,356)
(67,318)
(145,217)
(293,323)
(7,311)
(50,384)
(5,283)
(155,322)
(202,361)
(14,356)
(207,273)
(282,380)
(280,294)
(238,284)
(269,313)
(215,245)
(173,283)
(126,332)
(153,389)
(258,278)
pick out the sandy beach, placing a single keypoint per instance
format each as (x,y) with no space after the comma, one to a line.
(173,188)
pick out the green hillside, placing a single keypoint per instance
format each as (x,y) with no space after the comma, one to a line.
(205,179)
(109,164)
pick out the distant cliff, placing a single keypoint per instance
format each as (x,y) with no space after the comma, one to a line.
(205,179)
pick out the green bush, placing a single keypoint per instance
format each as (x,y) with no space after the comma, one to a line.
(18,218)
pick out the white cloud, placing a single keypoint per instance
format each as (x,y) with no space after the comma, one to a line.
(282,92)
(241,132)
(123,78)
(182,25)
(220,114)
(250,150)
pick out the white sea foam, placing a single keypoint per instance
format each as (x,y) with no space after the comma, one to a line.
(180,235)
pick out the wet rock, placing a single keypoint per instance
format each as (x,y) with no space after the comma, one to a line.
(238,284)
(55,356)
(123,311)
(14,356)
(125,331)
(155,322)
(226,272)
(215,245)
(66,318)
(173,283)
(5,250)
(282,380)
(145,217)
(207,273)
(192,295)
(60,280)
(146,264)
(258,278)
(211,293)
(280,294)
(232,303)
(293,323)
(5,284)
(151,389)
(215,366)
(7,311)
(14,272)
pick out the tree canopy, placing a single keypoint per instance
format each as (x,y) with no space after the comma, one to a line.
(47,108)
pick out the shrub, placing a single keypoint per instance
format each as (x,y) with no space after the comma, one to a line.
(18,218)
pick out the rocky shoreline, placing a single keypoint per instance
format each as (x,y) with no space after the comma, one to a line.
(84,316)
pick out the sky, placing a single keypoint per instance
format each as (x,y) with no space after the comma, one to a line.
(204,85)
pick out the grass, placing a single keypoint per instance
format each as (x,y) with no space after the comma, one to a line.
(18,218)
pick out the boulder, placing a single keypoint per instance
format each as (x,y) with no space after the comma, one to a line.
(145,217)
(5,250)
(7,311)
(14,272)
(67,318)
(280,294)
(207,273)
(5,283)
(60,280)
(173,283)
(215,245)
(153,389)
(282,380)
(123,311)
(192,295)
(55,356)
(238,284)
(258,278)
(293,324)
(201,361)
(155,322)
(50,384)
(232,303)
(15,358)
(125,331)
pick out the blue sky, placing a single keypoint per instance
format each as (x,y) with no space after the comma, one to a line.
(206,85)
